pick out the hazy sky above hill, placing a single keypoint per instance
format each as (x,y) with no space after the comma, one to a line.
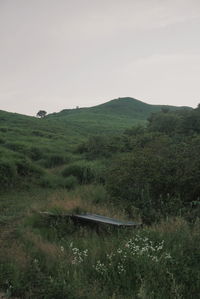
(57,54)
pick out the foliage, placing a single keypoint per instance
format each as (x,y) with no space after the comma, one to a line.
(53,160)
(109,118)
(15,172)
(8,174)
(41,113)
(161,179)
(60,164)
(45,257)
(85,172)
(71,182)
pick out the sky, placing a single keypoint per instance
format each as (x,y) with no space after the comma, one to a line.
(59,54)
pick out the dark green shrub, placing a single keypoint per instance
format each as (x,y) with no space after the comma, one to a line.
(99,171)
(98,147)
(38,133)
(86,172)
(17,147)
(54,160)
(96,194)
(48,181)
(71,182)
(27,169)
(55,181)
(147,183)
(81,170)
(36,153)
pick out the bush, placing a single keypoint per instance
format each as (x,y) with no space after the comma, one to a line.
(49,181)
(54,160)
(81,170)
(96,194)
(38,133)
(17,147)
(36,153)
(54,181)
(99,171)
(71,182)
(86,172)
(145,182)
(27,169)
(99,147)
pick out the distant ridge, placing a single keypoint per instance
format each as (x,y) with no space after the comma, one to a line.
(115,115)
(131,106)
(111,117)
(123,106)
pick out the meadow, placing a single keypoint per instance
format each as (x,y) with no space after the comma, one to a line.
(53,258)
(145,170)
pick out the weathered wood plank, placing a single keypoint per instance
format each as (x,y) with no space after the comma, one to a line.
(104,220)
(94,218)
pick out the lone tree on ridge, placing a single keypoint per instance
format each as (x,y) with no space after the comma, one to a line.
(41,113)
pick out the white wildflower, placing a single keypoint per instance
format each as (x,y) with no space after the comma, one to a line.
(168,256)
(78,255)
(154,259)
(120,268)
(100,267)
(119,250)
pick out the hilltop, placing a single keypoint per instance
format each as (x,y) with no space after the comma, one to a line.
(113,116)
(62,131)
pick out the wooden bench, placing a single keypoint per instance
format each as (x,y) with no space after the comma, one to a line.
(94,219)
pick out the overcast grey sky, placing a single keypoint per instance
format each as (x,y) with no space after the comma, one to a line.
(57,54)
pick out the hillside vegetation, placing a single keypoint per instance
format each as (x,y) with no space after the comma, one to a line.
(122,159)
(29,146)
(111,117)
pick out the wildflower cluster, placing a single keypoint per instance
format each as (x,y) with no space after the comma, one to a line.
(78,255)
(100,267)
(143,246)
(120,268)
(134,249)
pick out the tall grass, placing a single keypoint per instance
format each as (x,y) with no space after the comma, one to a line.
(53,258)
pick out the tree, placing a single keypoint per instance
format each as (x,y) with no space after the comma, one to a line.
(41,113)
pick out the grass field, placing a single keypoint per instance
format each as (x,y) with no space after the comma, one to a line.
(62,164)
(48,258)
(111,117)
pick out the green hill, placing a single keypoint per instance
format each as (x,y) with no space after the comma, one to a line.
(147,175)
(113,116)
(59,133)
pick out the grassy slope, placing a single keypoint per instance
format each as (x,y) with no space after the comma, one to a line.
(59,133)
(19,133)
(36,257)
(113,116)
(42,258)
(73,124)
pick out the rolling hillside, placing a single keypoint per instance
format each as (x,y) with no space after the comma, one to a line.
(147,175)
(113,116)
(59,133)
